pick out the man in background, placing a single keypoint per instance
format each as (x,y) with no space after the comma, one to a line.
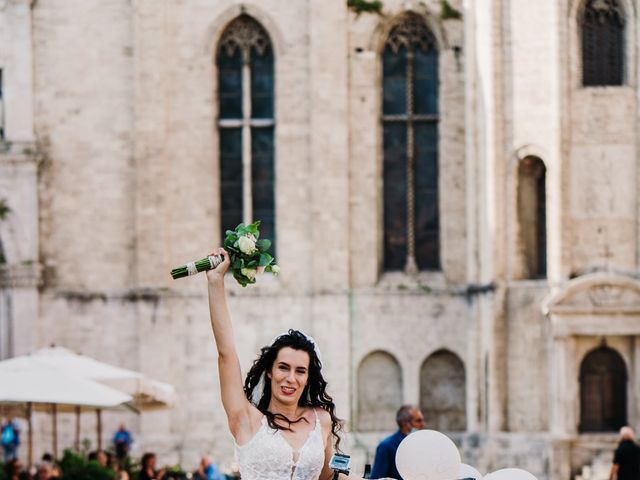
(626,459)
(408,418)
(122,442)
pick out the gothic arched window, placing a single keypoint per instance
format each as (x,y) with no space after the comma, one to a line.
(443,392)
(603,391)
(410,135)
(602,27)
(246,126)
(379,391)
(532,218)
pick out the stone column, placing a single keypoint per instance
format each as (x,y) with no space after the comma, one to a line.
(19,162)
(564,388)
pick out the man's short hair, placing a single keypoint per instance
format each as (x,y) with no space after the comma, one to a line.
(627,433)
(403,415)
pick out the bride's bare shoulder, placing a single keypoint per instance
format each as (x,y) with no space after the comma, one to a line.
(324,416)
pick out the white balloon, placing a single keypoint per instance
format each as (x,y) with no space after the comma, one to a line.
(467,471)
(510,474)
(427,455)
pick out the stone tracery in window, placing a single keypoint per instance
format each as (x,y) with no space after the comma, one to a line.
(244,33)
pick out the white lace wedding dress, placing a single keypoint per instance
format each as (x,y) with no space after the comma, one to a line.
(268,456)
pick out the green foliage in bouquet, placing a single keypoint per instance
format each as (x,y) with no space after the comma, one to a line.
(248,253)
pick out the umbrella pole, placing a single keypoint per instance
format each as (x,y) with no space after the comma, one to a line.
(54,417)
(30,428)
(99,426)
(77,429)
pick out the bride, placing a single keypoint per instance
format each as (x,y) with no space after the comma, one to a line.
(282,419)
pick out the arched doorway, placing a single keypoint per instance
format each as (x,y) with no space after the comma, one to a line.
(603,391)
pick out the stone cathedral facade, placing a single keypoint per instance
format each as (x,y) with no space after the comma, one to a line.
(452,187)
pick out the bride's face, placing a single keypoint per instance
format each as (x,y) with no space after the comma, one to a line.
(289,375)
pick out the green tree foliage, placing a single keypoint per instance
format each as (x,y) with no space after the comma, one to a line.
(365,6)
(449,12)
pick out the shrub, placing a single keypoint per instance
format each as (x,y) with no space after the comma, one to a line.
(76,467)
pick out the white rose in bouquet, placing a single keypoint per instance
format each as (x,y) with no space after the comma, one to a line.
(247,245)
(250,273)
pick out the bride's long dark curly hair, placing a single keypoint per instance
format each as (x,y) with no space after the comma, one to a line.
(314,394)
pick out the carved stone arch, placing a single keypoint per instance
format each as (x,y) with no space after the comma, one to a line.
(217,28)
(379,382)
(443,391)
(380,34)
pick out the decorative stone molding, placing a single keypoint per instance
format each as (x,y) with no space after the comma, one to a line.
(20,276)
(595,304)
(597,293)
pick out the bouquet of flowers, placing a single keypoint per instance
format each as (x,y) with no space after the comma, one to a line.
(247,252)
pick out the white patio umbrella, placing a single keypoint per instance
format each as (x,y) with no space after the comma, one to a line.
(146,392)
(46,387)
(39,387)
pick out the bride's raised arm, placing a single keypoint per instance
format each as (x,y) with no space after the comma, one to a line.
(234,401)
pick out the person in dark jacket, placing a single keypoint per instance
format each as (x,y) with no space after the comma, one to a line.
(626,459)
(408,418)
